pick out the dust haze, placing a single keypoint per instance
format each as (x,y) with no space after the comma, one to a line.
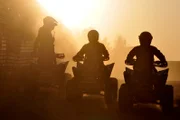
(23,93)
(119,43)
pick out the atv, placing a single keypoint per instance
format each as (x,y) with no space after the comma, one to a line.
(92,80)
(51,77)
(135,90)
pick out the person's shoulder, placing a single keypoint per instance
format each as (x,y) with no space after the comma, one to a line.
(153,47)
(136,47)
(41,29)
(101,44)
(86,45)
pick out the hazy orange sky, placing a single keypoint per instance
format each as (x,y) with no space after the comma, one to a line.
(127,18)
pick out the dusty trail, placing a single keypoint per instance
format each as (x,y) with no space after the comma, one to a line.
(48,105)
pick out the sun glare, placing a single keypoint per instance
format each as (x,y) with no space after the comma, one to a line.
(72,13)
(77,15)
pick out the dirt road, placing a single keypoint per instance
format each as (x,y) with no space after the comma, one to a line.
(49,106)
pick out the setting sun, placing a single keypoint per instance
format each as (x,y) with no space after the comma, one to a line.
(77,15)
(72,13)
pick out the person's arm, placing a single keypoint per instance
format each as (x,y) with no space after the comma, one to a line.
(80,54)
(105,53)
(159,55)
(130,56)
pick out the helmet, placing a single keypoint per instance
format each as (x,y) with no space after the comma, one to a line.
(93,36)
(48,20)
(145,38)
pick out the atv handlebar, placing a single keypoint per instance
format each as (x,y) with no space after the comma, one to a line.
(78,59)
(130,62)
(60,55)
(160,64)
(156,63)
(81,59)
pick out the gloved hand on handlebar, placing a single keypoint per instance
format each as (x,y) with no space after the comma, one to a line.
(78,58)
(132,62)
(160,63)
(105,58)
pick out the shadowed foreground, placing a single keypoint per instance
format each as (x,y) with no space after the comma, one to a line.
(47,105)
(50,105)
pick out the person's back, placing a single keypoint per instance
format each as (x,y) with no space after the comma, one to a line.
(145,57)
(144,75)
(45,38)
(144,54)
(93,53)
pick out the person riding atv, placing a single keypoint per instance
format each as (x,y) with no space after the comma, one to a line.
(144,54)
(91,75)
(145,84)
(44,43)
(93,53)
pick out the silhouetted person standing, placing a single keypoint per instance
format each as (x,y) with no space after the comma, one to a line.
(144,54)
(44,43)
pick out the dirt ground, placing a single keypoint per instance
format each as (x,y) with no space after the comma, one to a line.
(49,104)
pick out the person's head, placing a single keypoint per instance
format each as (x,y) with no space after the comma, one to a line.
(50,22)
(93,36)
(145,38)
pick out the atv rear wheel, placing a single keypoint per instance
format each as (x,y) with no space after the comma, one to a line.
(111,90)
(167,99)
(72,91)
(125,99)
